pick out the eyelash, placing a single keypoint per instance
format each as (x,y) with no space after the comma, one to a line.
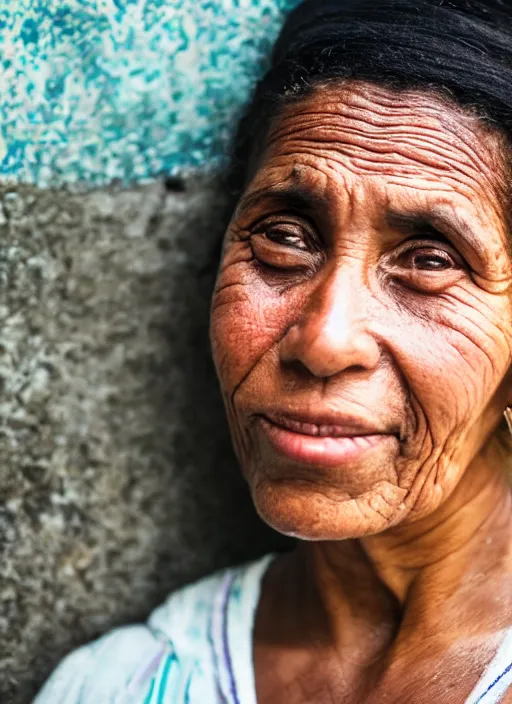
(268,226)
(437,252)
(263,228)
(281,262)
(284,235)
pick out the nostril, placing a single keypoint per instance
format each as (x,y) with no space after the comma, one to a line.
(289,345)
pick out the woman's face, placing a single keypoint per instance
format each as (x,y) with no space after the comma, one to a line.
(361,321)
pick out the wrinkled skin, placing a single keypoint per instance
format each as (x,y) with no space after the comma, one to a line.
(366,273)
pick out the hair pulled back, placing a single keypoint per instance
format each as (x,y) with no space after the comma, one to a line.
(456,48)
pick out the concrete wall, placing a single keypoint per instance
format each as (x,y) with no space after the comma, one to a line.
(117,478)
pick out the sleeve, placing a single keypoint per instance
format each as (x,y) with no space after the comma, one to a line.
(67,681)
(109,669)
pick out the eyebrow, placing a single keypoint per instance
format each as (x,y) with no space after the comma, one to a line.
(294,196)
(441,222)
(414,225)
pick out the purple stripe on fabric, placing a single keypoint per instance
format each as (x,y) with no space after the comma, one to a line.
(145,673)
(215,637)
(227,656)
(493,684)
(220,694)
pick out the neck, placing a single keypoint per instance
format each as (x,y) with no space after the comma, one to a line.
(422,577)
(468,534)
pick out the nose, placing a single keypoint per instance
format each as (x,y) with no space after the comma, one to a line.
(332,333)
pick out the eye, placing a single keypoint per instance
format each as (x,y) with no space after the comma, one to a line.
(429,267)
(285,236)
(284,245)
(428,259)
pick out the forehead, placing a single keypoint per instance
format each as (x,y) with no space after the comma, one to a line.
(342,135)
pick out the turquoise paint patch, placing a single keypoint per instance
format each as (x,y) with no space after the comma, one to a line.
(98,90)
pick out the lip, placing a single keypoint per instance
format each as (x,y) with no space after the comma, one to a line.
(322,439)
(325,425)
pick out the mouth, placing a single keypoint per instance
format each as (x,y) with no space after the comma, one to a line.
(327,444)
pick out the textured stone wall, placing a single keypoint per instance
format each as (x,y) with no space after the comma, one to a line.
(117,478)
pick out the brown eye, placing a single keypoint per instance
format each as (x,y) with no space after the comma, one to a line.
(428,259)
(284,246)
(286,237)
(427,268)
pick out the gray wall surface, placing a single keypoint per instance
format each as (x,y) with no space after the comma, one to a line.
(117,476)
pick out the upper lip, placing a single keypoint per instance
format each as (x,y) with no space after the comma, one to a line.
(323,423)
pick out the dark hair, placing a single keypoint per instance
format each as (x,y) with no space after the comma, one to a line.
(456,48)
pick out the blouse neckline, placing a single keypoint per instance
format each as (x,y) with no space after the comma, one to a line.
(233,622)
(235,613)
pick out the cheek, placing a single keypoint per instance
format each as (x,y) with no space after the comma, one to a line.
(248,318)
(453,358)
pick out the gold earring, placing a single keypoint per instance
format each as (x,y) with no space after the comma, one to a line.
(508,417)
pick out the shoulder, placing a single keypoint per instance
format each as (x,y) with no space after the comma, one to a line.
(497,679)
(132,659)
(96,669)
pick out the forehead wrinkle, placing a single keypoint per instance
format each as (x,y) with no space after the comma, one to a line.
(404,173)
(430,115)
(439,153)
(323,185)
(404,176)
(335,179)
(339,118)
(383,134)
(336,165)
(376,103)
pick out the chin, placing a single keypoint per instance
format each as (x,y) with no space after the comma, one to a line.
(306,511)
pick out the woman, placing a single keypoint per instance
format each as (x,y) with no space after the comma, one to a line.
(362,333)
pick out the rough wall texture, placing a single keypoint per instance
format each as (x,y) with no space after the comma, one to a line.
(117,479)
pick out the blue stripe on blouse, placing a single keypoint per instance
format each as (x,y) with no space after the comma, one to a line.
(197,649)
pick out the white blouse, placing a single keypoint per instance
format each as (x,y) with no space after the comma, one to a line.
(197,649)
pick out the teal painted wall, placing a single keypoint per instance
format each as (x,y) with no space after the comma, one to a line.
(100,90)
